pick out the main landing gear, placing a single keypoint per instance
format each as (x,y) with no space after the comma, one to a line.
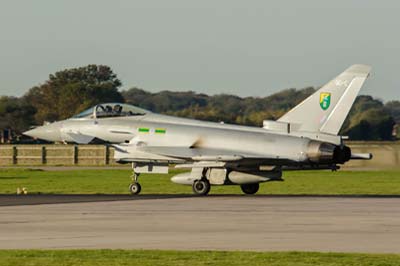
(201,187)
(250,188)
(135,187)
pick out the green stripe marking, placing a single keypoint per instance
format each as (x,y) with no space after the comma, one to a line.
(160,130)
(144,129)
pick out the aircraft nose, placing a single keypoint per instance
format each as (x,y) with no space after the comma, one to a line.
(49,132)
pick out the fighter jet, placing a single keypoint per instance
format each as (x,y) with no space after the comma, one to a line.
(305,138)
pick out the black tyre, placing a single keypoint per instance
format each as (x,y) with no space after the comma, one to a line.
(250,188)
(201,187)
(135,188)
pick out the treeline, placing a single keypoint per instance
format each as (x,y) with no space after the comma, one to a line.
(71,91)
(369,118)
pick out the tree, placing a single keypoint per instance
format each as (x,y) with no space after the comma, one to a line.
(393,107)
(164,101)
(222,107)
(368,120)
(71,91)
(15,114)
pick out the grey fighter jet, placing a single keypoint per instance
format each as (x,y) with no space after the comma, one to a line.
(305,138)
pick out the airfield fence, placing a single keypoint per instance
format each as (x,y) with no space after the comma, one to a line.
(386,155)
(56,154)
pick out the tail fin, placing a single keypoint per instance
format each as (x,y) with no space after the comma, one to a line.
(325,110)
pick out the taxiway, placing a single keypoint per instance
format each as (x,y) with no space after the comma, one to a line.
(264,223)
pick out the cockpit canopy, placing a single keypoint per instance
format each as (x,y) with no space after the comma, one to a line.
(111,110)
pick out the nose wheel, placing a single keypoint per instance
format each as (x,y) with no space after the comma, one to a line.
(135,187)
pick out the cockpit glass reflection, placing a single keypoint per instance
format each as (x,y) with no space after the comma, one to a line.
(111,110)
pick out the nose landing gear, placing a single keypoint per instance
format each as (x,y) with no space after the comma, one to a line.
(135,187)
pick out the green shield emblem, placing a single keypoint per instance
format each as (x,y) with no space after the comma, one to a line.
(325,100)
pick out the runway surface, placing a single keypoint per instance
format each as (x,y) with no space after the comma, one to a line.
(348,224)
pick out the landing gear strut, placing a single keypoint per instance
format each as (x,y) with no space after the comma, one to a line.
(135,187)
(250,188)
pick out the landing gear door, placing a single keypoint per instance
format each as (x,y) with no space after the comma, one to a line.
(216,176)
(151,168)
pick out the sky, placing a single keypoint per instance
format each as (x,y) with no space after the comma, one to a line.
(248,48)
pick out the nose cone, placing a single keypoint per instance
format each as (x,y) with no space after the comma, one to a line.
(49,132)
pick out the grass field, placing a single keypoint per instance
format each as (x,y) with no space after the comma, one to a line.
(143,258)
(117,181)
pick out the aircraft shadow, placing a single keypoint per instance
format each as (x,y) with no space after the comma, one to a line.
(36,199)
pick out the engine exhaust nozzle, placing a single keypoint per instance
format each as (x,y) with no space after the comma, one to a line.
(323,152)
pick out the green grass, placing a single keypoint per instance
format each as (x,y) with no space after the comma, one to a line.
(160,258)
(117,181)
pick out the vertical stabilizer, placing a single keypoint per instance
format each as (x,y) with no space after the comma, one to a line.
(325,110)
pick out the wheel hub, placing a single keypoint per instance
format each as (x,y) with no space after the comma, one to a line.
(201,187)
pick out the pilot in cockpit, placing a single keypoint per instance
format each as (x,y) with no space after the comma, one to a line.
(111,110)
(117,109)
(108,109)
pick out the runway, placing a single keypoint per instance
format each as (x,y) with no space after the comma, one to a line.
(263,223)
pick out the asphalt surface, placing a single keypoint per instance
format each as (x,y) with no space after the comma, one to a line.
(264,223)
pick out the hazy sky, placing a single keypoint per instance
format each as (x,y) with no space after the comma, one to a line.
(250,48)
